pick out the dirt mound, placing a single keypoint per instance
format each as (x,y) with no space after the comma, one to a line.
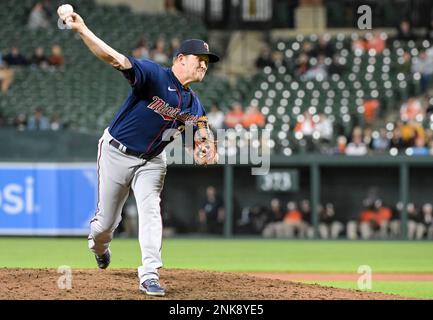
(181,284)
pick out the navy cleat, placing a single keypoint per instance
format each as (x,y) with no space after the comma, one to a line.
(104,260)
(152,288)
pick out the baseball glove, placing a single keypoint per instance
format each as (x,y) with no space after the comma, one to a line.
(205,145)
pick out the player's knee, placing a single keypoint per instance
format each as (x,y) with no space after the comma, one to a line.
(102,227)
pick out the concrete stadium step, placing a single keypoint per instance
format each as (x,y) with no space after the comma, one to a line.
(242,51)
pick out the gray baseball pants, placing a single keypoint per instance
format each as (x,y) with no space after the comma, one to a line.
(118,173)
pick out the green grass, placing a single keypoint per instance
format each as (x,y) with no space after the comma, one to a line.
(414,289)
(228,255)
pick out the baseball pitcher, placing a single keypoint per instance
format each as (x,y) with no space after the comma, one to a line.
(131,150)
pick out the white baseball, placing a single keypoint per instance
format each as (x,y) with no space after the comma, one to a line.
(64,10)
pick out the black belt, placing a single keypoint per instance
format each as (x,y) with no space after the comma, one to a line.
(128,151)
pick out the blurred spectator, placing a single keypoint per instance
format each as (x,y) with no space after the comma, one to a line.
(370,110)
(356,147)
(430,148)
(144,48)
(408,134)
(235,116)
(317,71)
(358,45)
(306,229)
(410,131)
(375,41)
(394,224)
(419,221)
(274,222)
(211,212)
(429,109)
(428,135)
(56,58)
(141,50)
(38,18)
(366,215)
(302,65)
(404,31)
(253,220)
(420,148)
(158,54)
(411,110)
(414,219)
(292,222)
(20,122)
(323,47)
(278,60)
(341,145)
(215,116)
(39,59)
(324,128)
(258,217)
(307,49)
(139,53)
(329,227)
(367,137)
(174,46)
(404,64)
(424,65)
(428,219)
(38,121)
(383,218)
(426,223)
(6,76)
(265,58)
(253,116)
(368,222)
(305,124)
(56,123)
(15,58)
(396,140)
(337,65)
(380,141)
(375,221)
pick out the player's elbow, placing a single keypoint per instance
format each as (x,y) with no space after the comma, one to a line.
(121,62)
(115,64)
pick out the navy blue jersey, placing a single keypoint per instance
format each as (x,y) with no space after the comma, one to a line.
(157,102)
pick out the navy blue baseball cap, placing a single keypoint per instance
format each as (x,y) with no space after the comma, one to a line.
(196,47)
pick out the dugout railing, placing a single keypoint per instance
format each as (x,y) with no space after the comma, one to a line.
(400,178)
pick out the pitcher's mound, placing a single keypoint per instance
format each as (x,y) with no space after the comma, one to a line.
(180,284)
